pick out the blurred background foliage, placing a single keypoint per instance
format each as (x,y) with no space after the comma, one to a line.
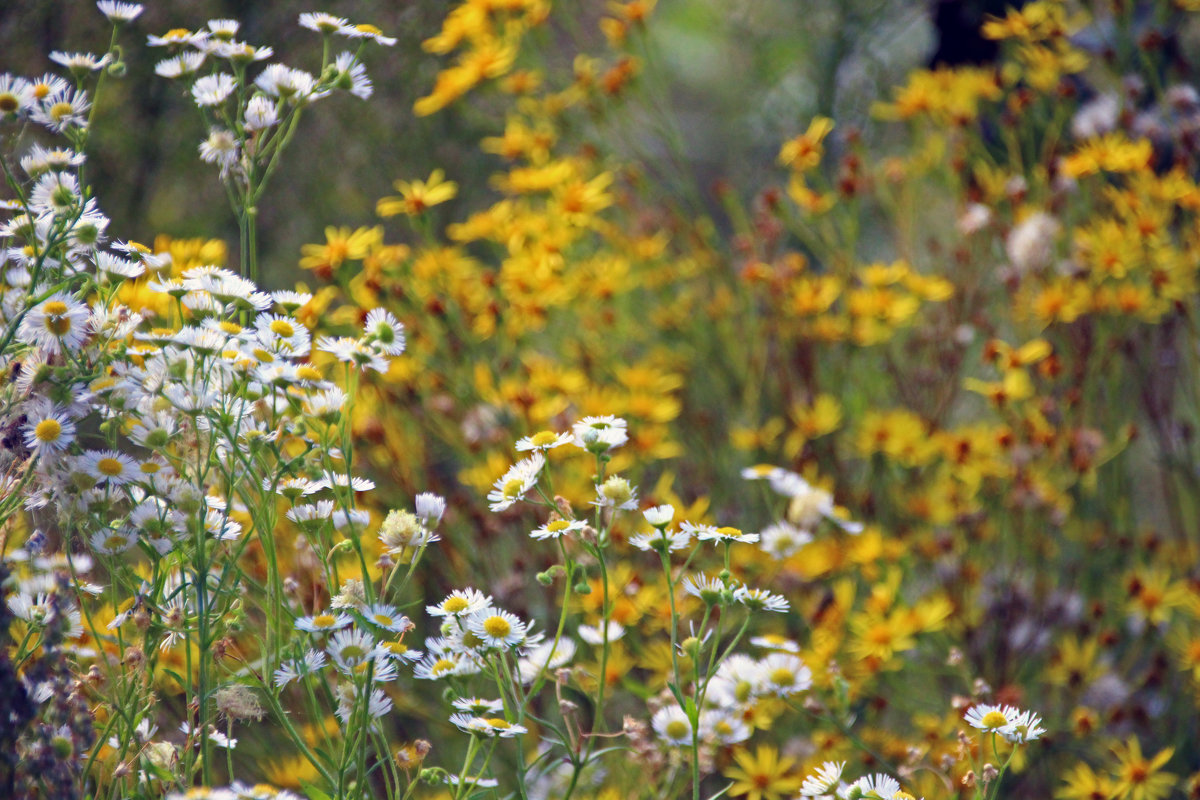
(734,80)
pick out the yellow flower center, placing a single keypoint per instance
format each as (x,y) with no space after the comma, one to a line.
(308,373)
(558,525)
(9,103)
(544,438)
(782,676)
(513,487)
(442,665)
(110,466)
(283,328)
(59,110)
(324,621)
(455,605)
(232,328)
(383,619)
(677,729)
(728,531)
(994,719)
(48,430)
(115,541)
(495,722)
(353,652)
(497,627)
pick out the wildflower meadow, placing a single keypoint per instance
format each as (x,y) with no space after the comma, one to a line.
(842,443)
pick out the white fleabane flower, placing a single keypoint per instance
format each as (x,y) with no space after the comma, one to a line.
(459,603)
(211,90)
(545,657)
(497,628)
(783,539)
(261,114)
(991,718)
(112,542)
(874,787)
(824,780)
(706,587)
(543,440)
(320,623)
(109,465)
(672,725)
(48,429)
(119,12)
(558,528)
(220,148)
(616,493)
(516,482)
(659,539)
(723,726)
(595,636)
(760,599)
(16,96)
(45,159)
(351,648)
(785,674)
(1025,728)
(352,76)
(322,23)
(313,661)
(430,508)
(56,193)
(63,110)
(711,533)
(224,28)
(600,434)
(487,726)
(659,516)
(81,62)
(384,330)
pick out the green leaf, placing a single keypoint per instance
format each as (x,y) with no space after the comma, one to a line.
(313,793)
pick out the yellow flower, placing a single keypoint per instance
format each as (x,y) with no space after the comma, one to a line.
(763,776)
(804,152)
(417,196)
(341,245)
(1138,778)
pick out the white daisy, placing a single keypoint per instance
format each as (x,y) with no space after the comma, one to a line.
(599,434)
(760,599)
(16,95)
(56,324)
(260,115)
(459,603)
(211,90)
(109,465)
(545,440)
(327,621)
(595,636)
(824,780)
(659,539)
(558,528)
(430,508)
(785,674)
(991,717)
(498,628)
(48,428)
(384,330)
(516,482)
(183,64)
(388,618)
(119,12)
(875,787)
(672,725)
